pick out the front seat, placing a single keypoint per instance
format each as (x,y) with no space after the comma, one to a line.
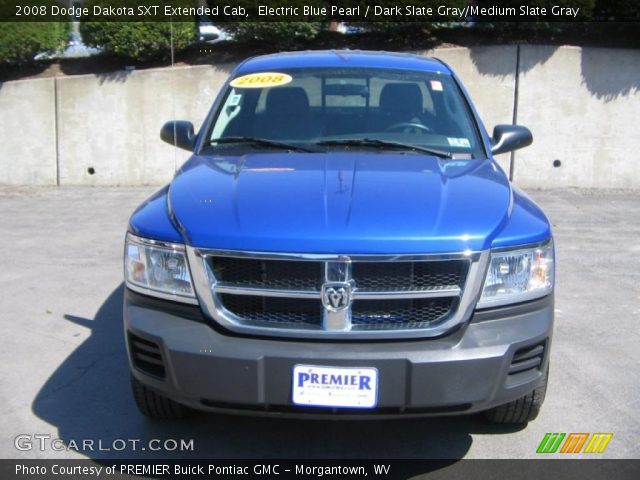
(286,115)
(400,103)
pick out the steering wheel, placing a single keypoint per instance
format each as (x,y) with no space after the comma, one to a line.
(408,126)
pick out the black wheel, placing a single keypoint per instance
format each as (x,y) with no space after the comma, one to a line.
(522,410)
(156,406)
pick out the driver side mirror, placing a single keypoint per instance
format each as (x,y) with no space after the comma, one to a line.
(179,133)
(507,138)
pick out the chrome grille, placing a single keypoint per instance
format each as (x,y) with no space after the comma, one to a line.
(368,276)
(272,295)
(404,313)
(268,273)
(403,276)
(277,312)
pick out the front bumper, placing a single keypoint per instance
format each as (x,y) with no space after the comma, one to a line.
(466,371)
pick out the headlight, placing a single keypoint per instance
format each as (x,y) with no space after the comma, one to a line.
(518,275)
(157,268)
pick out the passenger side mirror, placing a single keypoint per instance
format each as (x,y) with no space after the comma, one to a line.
(179,133)
(507,138)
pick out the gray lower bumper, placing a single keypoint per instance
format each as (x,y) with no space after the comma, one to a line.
(466,371)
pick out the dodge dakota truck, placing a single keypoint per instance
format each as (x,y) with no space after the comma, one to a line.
(341,243)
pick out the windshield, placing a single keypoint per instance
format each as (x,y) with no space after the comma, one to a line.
(324,107)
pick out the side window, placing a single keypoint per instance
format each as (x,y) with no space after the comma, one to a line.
(375,88)
(230,111)
(456,113)
(427,105)
(262,101)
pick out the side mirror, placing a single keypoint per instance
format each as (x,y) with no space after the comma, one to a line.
(507,138)
(179,133)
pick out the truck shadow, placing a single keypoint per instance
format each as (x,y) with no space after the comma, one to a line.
(87,398)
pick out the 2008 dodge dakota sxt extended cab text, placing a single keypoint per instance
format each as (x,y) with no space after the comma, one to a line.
(341,243)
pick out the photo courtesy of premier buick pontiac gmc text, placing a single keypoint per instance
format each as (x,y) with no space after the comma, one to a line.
(341,244)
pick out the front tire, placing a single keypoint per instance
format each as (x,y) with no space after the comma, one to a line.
(522,410)
(156,406)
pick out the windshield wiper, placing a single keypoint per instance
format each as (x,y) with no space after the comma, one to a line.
(374,142)
(262,142)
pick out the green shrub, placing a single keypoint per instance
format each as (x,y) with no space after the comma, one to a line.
(138,41)
(21,41)
(585,6)
(619,10)
(274,34)
(405,26)
(541,30)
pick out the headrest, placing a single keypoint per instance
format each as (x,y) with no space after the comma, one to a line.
(401,97)
(287,100)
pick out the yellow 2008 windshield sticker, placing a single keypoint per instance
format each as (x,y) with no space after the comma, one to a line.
(261,80)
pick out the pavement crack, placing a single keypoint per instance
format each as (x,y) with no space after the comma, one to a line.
(83,371)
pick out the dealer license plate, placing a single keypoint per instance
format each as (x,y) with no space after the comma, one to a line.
(341,387)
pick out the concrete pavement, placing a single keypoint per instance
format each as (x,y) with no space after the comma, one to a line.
(64,369)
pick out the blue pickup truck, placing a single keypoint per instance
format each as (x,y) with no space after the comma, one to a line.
(340,244)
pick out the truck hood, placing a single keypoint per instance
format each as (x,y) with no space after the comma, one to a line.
(347,203)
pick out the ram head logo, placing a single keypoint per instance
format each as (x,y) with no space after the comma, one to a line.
(336,296)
